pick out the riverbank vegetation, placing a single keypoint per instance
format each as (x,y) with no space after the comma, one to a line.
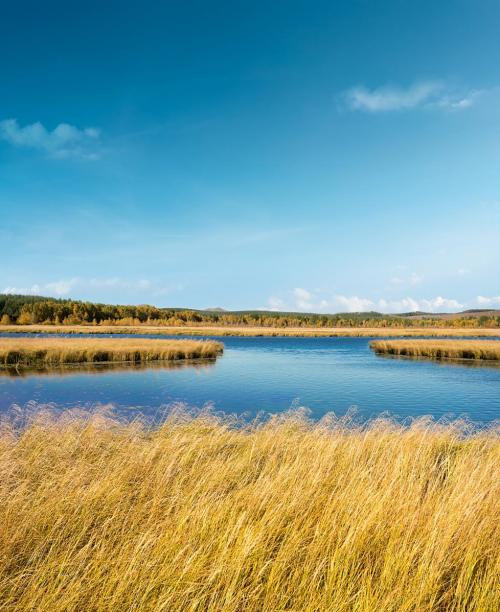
(28,310)
(201,515)
(199,330)
(43,352)
(440,349)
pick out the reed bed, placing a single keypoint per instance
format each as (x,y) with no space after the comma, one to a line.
(440,349)
(43,352)
(204,330)
(202,515)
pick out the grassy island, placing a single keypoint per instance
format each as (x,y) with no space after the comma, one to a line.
(203,516)
(440,349)
(43,352)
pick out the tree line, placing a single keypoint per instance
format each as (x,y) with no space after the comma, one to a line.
(29,309)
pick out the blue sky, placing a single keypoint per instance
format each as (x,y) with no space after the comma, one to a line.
(315,156)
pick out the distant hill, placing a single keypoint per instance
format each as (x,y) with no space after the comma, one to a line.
(471,313)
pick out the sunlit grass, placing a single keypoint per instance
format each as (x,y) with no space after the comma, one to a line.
(32,352)
(201,515)
(440,349)
(248,330)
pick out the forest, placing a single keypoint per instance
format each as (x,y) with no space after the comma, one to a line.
(31,309)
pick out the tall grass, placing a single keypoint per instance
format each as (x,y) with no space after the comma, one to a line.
(248,330)
(440,349)
(198,515)
(34,352)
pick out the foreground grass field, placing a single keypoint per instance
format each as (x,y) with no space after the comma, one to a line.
(440,349)
(203,330)
(201,515)
(41,352)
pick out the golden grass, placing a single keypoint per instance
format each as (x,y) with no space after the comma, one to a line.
(197,515)
(440,349)
(204,330)
(32,352)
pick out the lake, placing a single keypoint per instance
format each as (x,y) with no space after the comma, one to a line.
(273,375)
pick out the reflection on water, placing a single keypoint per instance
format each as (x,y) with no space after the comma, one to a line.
(103,368)
(445,362)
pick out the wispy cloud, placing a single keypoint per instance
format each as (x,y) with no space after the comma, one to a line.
(412,279)
(304,300)
(65,287)
(417,95)
(33,290)
(353,303)
(63,141)
(409,304)
(274,303)
(488,301)
(61,287)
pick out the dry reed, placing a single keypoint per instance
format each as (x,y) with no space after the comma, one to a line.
(205,330)
(33,352)
(198,515)
(440,349)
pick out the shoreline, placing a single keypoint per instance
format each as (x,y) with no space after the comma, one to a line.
(297,332)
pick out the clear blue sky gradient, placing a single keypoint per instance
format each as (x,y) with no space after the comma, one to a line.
(321,156)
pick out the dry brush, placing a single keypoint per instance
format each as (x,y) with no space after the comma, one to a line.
(201,515)
(440,349)
(43,352)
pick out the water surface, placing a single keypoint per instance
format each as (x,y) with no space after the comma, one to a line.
(272,375)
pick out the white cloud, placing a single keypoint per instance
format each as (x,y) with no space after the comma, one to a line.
(488,301)
(64,287)
(61,287)
(115,282)
(420,94)
(440,302)
(274,303)
(409,304)
(302,294)
(64,140)
(354,303)
(460,102)
(33,290)
(304,300)
(403,305)
(413,279)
